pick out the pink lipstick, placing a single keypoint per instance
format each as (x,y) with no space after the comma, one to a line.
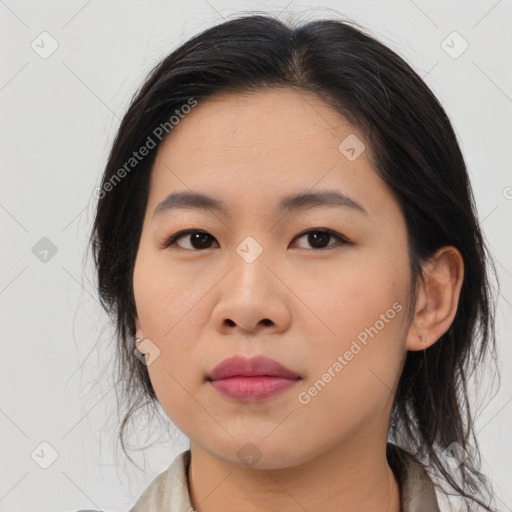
(251,379)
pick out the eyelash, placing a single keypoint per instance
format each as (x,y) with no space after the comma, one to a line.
(174,238)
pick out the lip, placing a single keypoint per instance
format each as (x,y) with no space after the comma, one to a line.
(256,366)
(251,379)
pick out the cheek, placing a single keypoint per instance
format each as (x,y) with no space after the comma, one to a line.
(163,294)
(354,294)
(364,308)
(172,381)
(353,378)
(167,307)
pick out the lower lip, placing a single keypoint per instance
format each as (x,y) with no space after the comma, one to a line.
(252,389)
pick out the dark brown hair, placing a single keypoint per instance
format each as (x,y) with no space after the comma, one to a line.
(415,150)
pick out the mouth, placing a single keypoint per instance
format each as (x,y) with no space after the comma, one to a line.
(257,366)
(251,379)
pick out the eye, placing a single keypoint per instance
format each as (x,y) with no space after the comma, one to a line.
(319,237)
(200,240)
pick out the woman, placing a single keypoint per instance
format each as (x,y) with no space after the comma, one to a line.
(287,239)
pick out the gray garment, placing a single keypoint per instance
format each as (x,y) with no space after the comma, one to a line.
(168,492)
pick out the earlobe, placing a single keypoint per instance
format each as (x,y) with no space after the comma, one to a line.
(437,298)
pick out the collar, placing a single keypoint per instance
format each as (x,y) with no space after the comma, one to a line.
(169,490)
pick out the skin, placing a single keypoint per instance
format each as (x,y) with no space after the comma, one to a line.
(199,306)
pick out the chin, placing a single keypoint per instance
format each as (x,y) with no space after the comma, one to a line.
(262,453)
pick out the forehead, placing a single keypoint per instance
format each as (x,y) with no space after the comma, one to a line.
(268,118)
(266,144)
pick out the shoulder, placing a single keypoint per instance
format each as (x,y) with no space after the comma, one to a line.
(169,490)
(417,492)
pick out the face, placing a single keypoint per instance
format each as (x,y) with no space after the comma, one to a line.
(320,287)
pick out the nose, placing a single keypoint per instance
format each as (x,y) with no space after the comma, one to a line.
(252,299)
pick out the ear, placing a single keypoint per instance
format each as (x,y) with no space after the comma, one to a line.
(437,298)
(138,332)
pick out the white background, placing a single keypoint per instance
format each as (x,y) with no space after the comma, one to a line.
(58,118)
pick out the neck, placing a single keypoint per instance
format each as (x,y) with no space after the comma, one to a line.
(347,477)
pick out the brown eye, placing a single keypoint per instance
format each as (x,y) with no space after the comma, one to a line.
(200,240)
(197,239)
(319,238)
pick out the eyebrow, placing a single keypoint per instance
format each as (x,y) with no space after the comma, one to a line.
(302,201)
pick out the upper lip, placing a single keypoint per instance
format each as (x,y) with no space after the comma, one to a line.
(250,367)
